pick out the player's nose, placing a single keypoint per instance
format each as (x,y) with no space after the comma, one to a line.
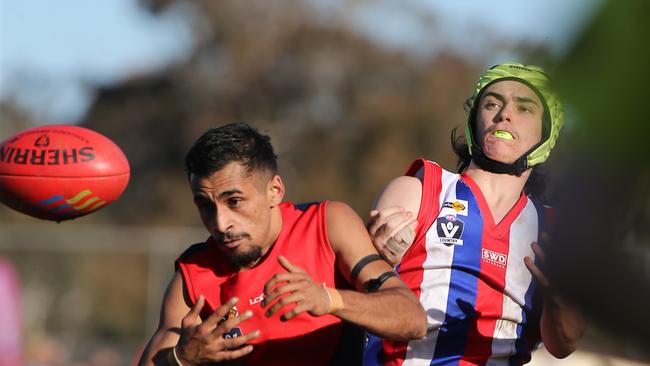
(505,113)
(223,220)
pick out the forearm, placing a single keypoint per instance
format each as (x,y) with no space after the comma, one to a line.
(562,326)
(157,355)
(166,357)
(376,312)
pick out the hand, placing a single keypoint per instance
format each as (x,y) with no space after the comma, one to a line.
(392,231)
(562,325)
(294,288)
(541,278)
(203,342)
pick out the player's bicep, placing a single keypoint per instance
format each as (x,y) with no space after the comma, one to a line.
(168,332)
(351,243)
(402,191)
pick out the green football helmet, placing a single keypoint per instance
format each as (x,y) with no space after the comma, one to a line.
(536,79)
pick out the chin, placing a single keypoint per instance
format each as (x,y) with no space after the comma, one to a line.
(501,156)
(500,151)
(245,257)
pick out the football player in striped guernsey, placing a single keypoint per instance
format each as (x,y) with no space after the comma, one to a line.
(470,244)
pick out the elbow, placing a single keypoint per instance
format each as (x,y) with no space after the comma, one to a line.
(411,328)
(560,342)
(418,328)
(411,333)
(418,320)
(420,333)
(561,351)
(560,354)
(421,329)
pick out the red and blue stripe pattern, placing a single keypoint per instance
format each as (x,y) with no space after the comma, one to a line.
(80,204)
(480,298)
(460,318)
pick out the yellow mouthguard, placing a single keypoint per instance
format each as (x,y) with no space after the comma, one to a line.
(502,134)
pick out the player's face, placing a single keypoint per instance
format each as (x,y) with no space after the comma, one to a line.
(235,206)
(508,120)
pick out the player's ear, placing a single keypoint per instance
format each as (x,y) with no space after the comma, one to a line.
(275,190)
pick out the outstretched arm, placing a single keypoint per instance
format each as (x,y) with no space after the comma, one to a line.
(375,311)
(562,325)
(182,338)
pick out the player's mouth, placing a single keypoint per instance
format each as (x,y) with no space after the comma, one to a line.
(232,243)
(502,134)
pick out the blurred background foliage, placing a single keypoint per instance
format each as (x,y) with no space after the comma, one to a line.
(346,113)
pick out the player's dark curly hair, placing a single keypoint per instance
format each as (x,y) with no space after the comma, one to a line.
(234,142)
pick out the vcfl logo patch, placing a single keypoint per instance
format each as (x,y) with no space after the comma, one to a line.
(450,230)
(498,259)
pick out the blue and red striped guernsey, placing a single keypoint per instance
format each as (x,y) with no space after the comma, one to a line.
(470,277)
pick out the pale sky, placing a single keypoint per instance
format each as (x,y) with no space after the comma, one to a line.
(52,52)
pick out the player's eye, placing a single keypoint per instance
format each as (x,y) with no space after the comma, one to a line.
(234,201)
(489,105)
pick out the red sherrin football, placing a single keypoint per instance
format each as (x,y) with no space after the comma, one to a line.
(61,172)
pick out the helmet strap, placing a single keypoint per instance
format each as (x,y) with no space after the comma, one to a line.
(517,168)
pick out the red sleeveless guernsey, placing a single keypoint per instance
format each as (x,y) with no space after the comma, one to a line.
(303,340)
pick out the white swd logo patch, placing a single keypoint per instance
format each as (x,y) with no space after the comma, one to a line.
(496,258)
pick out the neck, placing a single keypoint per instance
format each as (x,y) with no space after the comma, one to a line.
(501,191)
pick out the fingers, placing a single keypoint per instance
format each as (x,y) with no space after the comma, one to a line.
(544,237)
(282,302)
(399,227)
(294,291)
(402,229)
(388,211)
(230,323)
(193,316)
(237,353)
(279,278)
(539,252)
(213,320)
(537,273)
(231,343)
(400,239)
(534,269)
(300,308)
(279,291)
(231,348)
(295,274)
(379,218)
(234,343)
(289,266)
(212,340)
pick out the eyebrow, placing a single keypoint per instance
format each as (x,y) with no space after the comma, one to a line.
(229,193)
(202,196)
(518,99)
(525,100)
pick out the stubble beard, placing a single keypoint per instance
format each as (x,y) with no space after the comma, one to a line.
(246,258)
